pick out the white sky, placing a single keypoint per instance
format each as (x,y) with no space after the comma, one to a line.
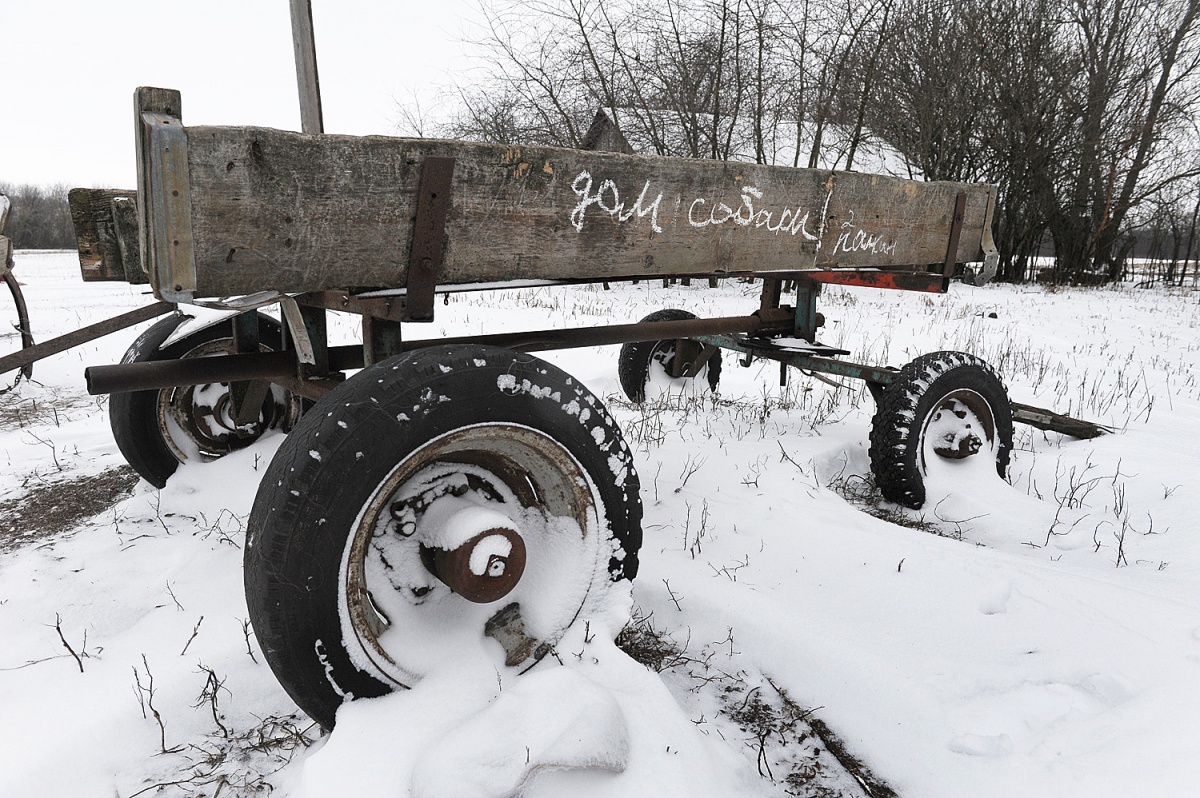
(68,69)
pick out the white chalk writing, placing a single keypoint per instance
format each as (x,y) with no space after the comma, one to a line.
(790,221)
(608,200)
(855,239)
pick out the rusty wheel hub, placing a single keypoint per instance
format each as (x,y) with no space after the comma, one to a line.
(961,425)
(484,568)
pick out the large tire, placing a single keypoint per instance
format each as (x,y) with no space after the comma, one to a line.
(158,430)
(944,404)
(640,360)
(353,508)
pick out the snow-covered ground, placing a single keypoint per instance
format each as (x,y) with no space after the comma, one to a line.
(1038,638)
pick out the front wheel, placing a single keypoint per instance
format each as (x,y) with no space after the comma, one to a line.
(943,406)
(457,504)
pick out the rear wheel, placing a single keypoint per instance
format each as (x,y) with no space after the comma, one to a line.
(647,368)
(158,430)
(459,504)
(943,406)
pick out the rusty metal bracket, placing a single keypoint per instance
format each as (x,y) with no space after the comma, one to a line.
(991,255)
(247,397)
(956,225)
(429,229)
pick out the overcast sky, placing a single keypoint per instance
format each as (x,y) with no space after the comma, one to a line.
(68,69)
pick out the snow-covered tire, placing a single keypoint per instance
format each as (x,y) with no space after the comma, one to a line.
(947,404)
(639,360)
(159,429)
(374,482)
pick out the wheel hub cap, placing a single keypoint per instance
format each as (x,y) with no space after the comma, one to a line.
(483,569)
(959,426)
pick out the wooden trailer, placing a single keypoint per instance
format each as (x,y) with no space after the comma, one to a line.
(457,490)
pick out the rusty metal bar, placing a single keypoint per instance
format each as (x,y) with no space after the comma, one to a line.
(545,340)
(191,371)
(429,228)
(803,360)
(281,367)
(81,336)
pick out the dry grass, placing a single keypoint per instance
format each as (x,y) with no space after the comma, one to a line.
(49,508)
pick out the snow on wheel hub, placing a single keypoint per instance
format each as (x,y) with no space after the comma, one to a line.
(486,567)
(960,426)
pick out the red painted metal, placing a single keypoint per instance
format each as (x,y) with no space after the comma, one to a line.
(900,281)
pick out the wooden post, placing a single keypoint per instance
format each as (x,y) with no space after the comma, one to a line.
(307,82)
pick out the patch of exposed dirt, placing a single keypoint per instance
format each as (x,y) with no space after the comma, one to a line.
(49,508)
(797,752)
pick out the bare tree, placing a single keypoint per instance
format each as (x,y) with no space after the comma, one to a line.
(1081,111)
(1137,88)
(39,217)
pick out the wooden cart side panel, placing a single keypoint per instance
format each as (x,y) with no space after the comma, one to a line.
(93,215)
(279,210)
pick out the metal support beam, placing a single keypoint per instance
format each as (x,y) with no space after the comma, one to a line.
(281,367)
(824,365)
(772,291)
(83,335)
(247,397)
(381,339)
(807,318)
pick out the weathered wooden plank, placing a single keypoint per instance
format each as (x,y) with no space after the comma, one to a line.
(100,255)
(125,226)
(1042,418)
(273,209)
